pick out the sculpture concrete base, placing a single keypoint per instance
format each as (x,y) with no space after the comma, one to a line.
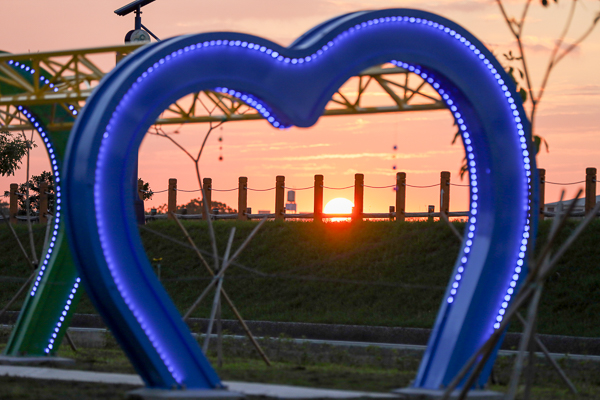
(191,394)
(431,394)
(35,360)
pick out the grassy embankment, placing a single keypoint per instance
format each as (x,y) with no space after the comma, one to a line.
(372,273)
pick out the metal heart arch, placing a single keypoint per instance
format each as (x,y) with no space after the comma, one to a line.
(479,94)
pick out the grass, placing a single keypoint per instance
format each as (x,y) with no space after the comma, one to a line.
(370,369)
(371,273)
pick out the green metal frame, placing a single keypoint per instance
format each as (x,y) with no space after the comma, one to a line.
(37,320)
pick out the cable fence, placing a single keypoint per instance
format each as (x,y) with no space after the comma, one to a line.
(287,211)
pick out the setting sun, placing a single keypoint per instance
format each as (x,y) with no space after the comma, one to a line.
(339,205)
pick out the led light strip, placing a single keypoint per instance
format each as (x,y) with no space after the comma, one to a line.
(473,173)
(43,79)
(268,114)
(54,164)
(255,103)
(63,315)
(428,77)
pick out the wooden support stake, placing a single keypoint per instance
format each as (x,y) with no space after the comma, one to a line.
(590,189)
(14,203)
(207,186)
(542,174)
(318,194)
(279,198)
(445,192)
(359,191)
(401,196)
(43,205)
(243,198)
(172,204)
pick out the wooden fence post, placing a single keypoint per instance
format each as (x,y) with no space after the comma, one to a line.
(318,194)
(140,190)
(43,203)
(590,189)
(14,203)
(542,174)
(359,191)
(243,198)
(172,202)
(445,192)
(279,197)
(401,196)
(207,186)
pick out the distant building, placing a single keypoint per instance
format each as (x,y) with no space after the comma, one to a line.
(291,201)
(579,205)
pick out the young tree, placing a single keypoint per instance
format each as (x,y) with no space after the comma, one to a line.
(147,193)
(531,95)
(517,63)
(4,207)
(12,149)
(196,206)
(34,193)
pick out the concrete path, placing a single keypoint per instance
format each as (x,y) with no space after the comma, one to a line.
(253,389)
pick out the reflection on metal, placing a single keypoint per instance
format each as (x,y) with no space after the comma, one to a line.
(75,74)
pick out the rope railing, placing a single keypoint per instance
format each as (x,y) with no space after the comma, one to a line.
(262,190)
(341,188)
(282,210)
(187,191)
(564,184)
(380,187)
(422,187)
(295,189)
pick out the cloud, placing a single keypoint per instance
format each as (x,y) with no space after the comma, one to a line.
(384,156)
(468,6)
(292,167)
(545,44)
(584,90)
(277,146)
(355,125)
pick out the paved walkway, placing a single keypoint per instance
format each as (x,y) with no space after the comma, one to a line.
(253,389)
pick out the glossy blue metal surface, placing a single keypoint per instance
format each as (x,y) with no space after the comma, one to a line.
(291,86)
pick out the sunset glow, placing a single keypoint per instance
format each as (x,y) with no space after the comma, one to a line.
(377,145)
(339,205)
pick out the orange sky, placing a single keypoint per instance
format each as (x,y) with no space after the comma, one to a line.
(336,147)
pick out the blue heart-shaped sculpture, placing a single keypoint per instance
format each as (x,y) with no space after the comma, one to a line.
(291,86)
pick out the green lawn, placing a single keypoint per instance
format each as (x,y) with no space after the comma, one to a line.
(371,273)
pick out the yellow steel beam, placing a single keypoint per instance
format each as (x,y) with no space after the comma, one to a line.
(69,77)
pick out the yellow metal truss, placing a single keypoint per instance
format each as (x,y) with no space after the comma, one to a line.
(73,75)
